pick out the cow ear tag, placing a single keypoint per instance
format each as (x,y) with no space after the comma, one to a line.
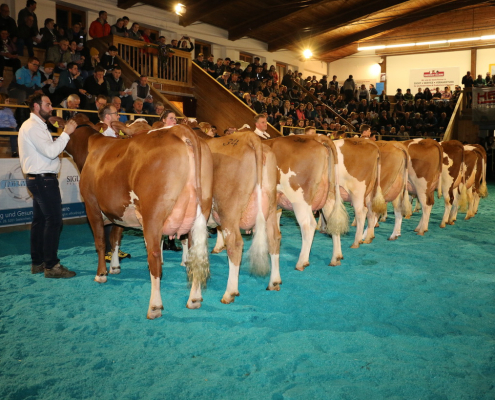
(121,133)
(101,130)
(56,124)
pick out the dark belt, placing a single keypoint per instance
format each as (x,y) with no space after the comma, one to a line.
(42,175)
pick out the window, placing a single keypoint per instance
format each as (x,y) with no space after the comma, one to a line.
(202,47)
(281,70)
(66,17)
(246,57)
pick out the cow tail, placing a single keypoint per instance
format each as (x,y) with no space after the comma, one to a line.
(463,200)
(378,205)
(439,187)
(406,206)
(259,264)
(338,221)
(483,192)
(198,264)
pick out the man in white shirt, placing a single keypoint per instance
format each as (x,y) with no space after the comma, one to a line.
(261,124)
(39,161)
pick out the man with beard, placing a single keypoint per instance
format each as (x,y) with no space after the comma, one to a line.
(40,163)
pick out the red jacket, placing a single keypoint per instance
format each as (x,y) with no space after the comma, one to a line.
(97,30)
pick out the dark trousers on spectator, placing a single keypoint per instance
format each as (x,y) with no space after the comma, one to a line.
(15,63)
(349,94)
(47,219)
(28,43)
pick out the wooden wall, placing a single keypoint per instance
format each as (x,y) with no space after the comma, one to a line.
(220,107)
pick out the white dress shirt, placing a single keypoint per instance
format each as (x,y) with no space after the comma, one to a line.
(38,152)
(262,134)
(109,132)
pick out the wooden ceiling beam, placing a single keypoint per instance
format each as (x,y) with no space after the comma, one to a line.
(200,9)
(332,45)
(252,25)
(125,4)
(339,20)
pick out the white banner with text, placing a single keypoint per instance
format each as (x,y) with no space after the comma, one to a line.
(433,78)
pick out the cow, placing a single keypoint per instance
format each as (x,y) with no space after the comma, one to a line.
(475,160)
(452,183)
(393,181)
(244,197)
(424,174)
(307,181)
(125,181)
(359,167)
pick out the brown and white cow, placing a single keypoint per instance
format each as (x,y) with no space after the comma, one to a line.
(307,181)
(452,181)
(424,174)
(475,160)
(129,181)
(359,169)
(244,197)
(393,180)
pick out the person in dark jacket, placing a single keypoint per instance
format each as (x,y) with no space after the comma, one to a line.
(7,22)
(8,52)
(109,61)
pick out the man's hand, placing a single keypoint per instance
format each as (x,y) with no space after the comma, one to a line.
(70,127)
(82,91)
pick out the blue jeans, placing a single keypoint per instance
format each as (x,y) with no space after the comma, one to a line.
(47,219)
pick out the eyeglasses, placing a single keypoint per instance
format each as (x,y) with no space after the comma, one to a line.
(116,113)
(35,65)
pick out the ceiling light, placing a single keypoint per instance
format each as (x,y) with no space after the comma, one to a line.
(391,46)
(371,48)
(180,9)
(307,53)
(427,43)
(488,37)
(463,40)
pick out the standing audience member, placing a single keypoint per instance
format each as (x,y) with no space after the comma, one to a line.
(100,27)
(8,53)
(141,89)
(118,29)
(116,87)
(28,34)
(349,88)
(28,11)
(48,34)
(77,33)
(134,32)
(7,22)
(39,161)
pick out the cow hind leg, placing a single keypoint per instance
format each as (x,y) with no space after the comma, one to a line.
(95,218)
(115,240)
(274,237)
(470,213)
(307,223)
(448,208)
(234,244)
(370,231)
(397,204)
(153,239)
(360,214)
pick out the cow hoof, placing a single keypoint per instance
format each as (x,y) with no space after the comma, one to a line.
(393,237)
(101,278)
(303,266)
(115,270)
(154,312)
(377,225)
(216,251)
(355,246)
(193,304)
(334,263)
(368,241)
(421,233)
(274,286)
(442,225)
(228,298)
(451,222)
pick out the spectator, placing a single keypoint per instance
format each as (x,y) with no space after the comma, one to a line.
(28,81)
(300,112)
(362,93)
(77,57)
(59,55)
(99,104)
(224,79)
(182,45)
(118,29)
(373,89)
(479,81)
(77,34)
(116,87)
(48,83)
(100,27)
(96,84)
(27,35)
(126,23)
(8,53)
(310,112)
(109,61)
(488,79)
(28,12)
(443,122)
(134,32)
(117,103)
(430,124)
(8,123)
(138,107)
(91,59)
(256,64)
(399,96)
(427,94)
(70,82)
(146,35)
(72,102)
(437,94)
(7,22)
(211,69)
(419,95)
(141,89)
(447,94)
(201,62)
(417,124)
(349,88)
(402,133)
(246,97)
(234,84)
(48,34)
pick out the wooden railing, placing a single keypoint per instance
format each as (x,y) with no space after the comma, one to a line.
(145,59)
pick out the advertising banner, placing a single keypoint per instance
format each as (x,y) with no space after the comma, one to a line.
(433,78)
(16,204)
(484,105)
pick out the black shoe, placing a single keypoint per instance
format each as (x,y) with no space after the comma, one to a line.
(173,246)
(37,269)
(59,271)
(15,154)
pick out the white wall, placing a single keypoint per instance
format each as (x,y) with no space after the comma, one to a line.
(363,68)
(398,67)
(484,57)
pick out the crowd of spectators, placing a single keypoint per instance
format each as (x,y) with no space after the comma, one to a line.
(73,74)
